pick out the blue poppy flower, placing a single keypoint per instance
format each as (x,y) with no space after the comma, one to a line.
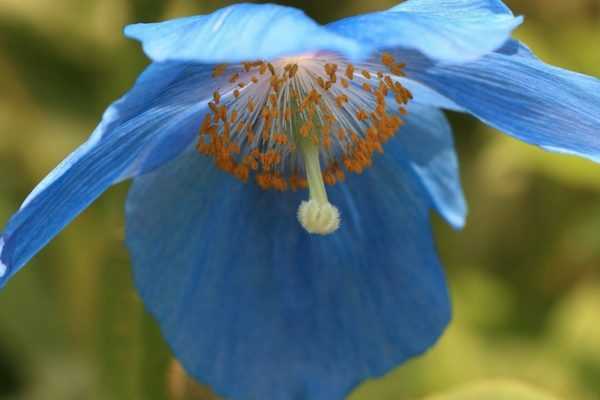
(263,289)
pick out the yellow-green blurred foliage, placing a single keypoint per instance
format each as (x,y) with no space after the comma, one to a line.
(524,274)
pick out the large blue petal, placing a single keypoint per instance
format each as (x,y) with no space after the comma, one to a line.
(445,30)
(515,92)
(259,309)
(425,145)
(241,32)
(154,122)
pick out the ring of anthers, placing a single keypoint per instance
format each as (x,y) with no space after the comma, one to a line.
(279,121)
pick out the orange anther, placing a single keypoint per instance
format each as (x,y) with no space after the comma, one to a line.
(327,142)
(251,106)
(275,83)
(321,82)
(387,59)
(388,81)
(361,115)
(339,174)
(305,130)
(341,100)
(242,172)
(266,114)
(223,113)
(350,71)
(250,135)
(280,138)
(329,178)
(205,124)
(331,69)
(234,148)
(219,70)
(397,69)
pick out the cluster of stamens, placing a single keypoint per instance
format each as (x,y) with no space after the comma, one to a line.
(268,119)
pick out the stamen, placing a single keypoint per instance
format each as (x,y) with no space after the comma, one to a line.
(316,215)
(219,70)
(334,112)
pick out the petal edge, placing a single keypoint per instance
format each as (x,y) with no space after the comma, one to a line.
(240,32)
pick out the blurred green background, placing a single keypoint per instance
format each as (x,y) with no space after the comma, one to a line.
(524,274)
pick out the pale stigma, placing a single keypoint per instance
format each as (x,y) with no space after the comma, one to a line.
(316,215)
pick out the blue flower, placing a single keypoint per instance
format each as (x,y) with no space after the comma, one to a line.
(265,290)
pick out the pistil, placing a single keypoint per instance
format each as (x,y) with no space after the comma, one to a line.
(316,215)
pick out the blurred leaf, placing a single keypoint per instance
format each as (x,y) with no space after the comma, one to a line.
(58,78)
(154,363)
(147,10)
(575,325)
(495,390)
(506,157)
(575,333)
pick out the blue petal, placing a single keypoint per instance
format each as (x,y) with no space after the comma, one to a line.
(445,30)
(517,93)
(154,122)
(473,7)
(241,32)
(259,309)
(427,96)
(425,145)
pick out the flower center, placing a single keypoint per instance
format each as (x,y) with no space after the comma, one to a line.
(280,121)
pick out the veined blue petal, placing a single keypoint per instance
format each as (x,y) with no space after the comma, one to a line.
(259,309)
(151,124)
(447,30)
(241,32)
(425,144)
(517,93)
(471,7)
